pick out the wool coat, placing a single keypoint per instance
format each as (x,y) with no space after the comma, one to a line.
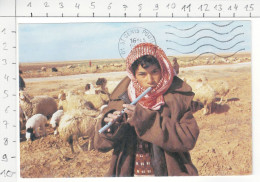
(171,132)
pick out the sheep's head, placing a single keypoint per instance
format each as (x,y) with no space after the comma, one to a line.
(30,135)
(87,87)
(101,81)
(24,97)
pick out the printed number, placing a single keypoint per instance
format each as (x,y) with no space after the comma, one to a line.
(109,6)
(46,5)
(6,93)
(5,123)
(218,7)
(171,6)
(125,6)
(6,77)
(4,31)
(92,5)
(4,158)
(186,7)
(231,8)
(61,5)
(140,7)
(5,46)
(7,173)
(77,5)
(29,4)
(249,7)
(5,141)
(156,7)
(6,109)
(4,61)
(204,7)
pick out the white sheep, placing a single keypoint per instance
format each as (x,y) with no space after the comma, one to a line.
(221,88)
(55,120)
(40,104)
(204,93)
(90,89)
(78,123)
(35,123)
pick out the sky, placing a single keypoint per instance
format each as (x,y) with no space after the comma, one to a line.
(42,42)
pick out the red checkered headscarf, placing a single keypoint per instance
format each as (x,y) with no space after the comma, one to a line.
(154,99)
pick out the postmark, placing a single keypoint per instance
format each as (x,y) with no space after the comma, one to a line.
(133,37)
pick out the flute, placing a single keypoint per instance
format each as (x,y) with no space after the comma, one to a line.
(108,125)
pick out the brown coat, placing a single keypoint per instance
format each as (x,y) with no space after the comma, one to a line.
(172,132)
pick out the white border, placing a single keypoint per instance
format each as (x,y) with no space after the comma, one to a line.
(255,101)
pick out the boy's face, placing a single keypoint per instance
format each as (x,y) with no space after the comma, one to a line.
(148,77)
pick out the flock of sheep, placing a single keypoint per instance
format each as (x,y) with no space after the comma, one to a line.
(75,113)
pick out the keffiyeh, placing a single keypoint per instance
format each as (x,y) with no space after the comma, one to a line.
(154,99)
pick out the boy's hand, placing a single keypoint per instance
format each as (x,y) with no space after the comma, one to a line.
(111,116)
(130,109)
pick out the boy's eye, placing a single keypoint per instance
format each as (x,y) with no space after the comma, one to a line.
(155,71)
(142,74)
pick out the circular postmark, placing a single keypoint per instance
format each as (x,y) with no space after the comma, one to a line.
(132,37)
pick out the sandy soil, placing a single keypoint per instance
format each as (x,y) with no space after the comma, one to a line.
(224,146)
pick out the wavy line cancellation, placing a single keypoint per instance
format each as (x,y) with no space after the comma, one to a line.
(206,29)
(206,45)
(218,54)
(205,37)
(222,25)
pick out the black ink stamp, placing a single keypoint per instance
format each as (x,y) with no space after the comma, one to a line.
(133,37)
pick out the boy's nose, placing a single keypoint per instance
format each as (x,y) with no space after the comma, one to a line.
(149,78)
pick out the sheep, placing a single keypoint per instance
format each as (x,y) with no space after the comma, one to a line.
(78,123)
(102,83)
(22,118)
(118,65)
(204,93)
(33,124)
(70,66)
(78,101)
(38,105)
(43,69)
(221,88)
(90,89)
(54,69)
(55,120)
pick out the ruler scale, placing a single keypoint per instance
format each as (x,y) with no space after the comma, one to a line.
(11,10)
(8,106)
(144,8)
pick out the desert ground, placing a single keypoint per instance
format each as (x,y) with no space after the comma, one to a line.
(224,146)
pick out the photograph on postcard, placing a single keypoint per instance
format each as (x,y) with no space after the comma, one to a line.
(165,98)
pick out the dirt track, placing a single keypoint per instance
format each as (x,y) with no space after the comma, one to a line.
(224,146)
(121,74)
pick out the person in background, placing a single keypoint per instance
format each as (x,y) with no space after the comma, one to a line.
(175,65)
(21,81)
(153,137)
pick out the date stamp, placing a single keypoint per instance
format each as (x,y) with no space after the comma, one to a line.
(133,37)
